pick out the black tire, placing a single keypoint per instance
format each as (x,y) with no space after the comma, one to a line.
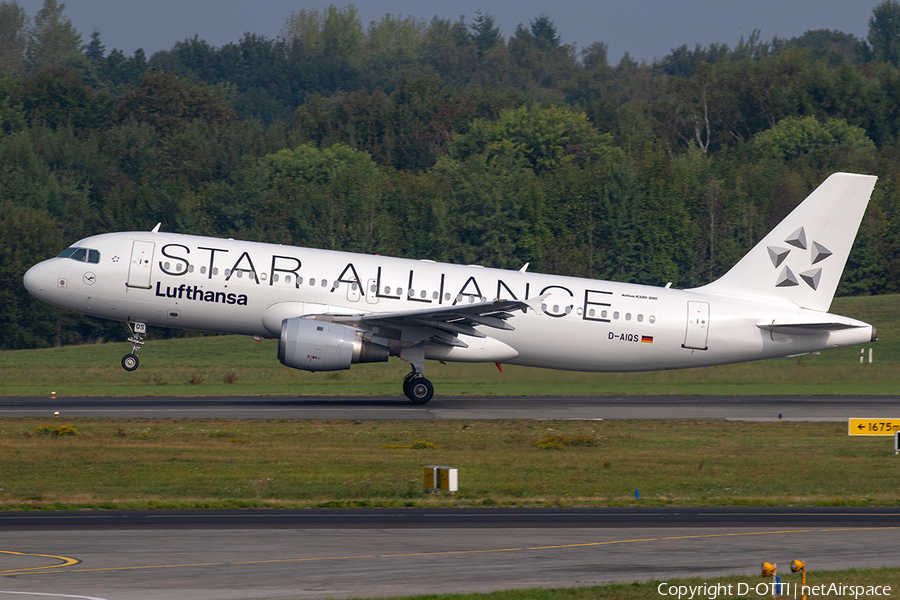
(130,362)
(419,390)
(407,381)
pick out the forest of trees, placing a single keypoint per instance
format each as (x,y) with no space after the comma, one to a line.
(438,140)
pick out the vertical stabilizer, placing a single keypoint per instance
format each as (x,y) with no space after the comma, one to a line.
(802,259)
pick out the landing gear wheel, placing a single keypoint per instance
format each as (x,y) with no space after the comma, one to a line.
(407,381)
(418,389)
(130,362)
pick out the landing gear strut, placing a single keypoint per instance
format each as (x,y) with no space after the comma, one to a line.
(130,361)
(418,389)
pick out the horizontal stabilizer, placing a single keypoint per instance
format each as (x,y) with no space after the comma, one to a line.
(805,328)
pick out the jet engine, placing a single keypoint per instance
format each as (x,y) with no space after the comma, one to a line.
(322,346)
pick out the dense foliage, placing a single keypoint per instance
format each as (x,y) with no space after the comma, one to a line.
(440,140)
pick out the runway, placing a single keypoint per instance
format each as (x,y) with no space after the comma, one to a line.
(284,554)
(761,408)
(346,554)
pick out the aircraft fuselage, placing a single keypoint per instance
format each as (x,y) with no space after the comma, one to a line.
(249,288)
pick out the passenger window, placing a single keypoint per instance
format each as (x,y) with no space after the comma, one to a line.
(616,315)
(94,256)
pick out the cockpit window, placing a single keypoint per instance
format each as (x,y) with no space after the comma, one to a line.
(81,254)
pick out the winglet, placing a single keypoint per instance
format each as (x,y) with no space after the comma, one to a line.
(156,229)
(536,303)
(524,268)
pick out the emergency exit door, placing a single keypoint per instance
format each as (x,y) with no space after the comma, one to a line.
(141,264)
(697,331)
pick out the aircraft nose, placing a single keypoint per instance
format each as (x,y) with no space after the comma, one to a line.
(36,280)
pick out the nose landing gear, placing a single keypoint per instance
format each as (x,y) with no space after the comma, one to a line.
(130,361)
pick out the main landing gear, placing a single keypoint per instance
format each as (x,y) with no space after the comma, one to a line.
(418,389)
(130,361)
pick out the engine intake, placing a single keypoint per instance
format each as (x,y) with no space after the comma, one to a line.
(322,346)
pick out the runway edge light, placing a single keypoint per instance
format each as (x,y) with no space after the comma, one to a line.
(799,565)
(770,570)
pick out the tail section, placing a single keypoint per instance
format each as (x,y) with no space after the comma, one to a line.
(802,259)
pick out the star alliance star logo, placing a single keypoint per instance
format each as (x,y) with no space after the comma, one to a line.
(778,255)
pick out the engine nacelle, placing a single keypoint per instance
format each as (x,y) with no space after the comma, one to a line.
(322,346)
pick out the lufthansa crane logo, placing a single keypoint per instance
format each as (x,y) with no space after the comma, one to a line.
(787,278)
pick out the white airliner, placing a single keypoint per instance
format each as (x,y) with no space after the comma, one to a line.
(333,309)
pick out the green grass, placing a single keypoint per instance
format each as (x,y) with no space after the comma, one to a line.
(144,463)
(649,590)
(232,365)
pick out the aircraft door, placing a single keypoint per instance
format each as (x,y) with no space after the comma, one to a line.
(697,331)
(141,264)
(371,295)
(353,291)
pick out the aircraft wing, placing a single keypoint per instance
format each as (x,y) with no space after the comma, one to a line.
(443,325)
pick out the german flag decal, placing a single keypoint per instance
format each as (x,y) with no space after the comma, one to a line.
(647,339)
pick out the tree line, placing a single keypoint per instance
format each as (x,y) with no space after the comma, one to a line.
(439,140)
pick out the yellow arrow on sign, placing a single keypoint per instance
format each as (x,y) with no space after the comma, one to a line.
(872,426)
